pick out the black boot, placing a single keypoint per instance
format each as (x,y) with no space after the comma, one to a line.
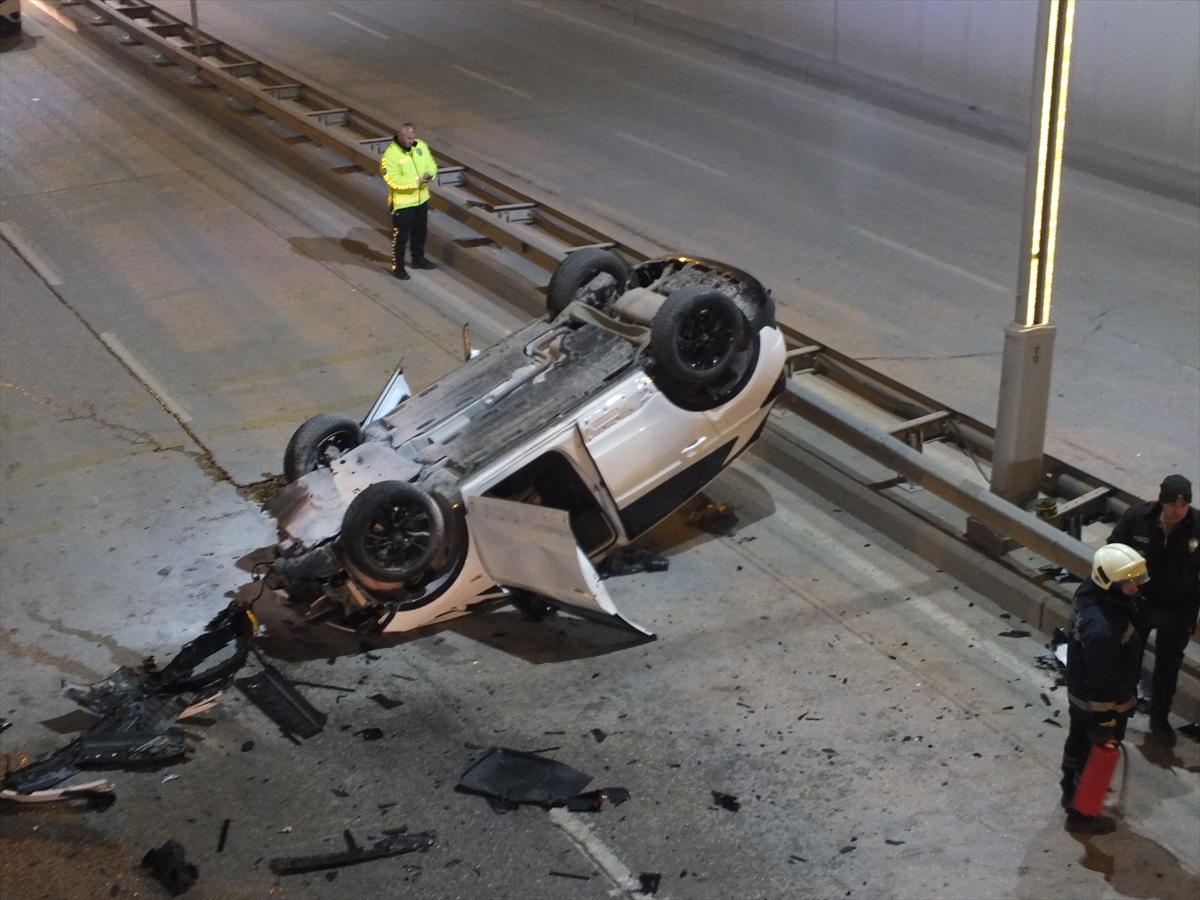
(1078,823)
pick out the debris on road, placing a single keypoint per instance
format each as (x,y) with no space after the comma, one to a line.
(630,561)
(391,845)
(98,794)
(223,836)
(135,707)
(726,801)
(171,868)
(513,777)
(281,702)
(599,734)
(385,701)
(714,519)
(570,875)
(1015,633)
(369,734)
(650,882)
(1192,730)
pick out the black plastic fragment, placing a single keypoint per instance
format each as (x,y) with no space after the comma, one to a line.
(1052,722)
(892,842)
(514,777)
(170,867)
(599,735)
(1192,730)
(726,801)
(1014,633)
(223,836)
(630,561)
(385,701)
(589,802)
(615,795)
(369,734)
(125,748)
(650,881)
(5,724)
(391,845)
(570,875)
(282,703)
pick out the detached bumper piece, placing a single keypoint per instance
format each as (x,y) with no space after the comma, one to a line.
(136,708)
(392,845)
(510,777)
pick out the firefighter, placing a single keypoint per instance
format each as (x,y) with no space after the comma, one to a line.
(1167,533)
(408,167)
(1104,654)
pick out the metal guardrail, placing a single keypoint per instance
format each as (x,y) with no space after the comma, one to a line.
(543,236)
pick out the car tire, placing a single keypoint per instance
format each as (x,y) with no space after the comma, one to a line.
(573,278)
(696,334)
(319,441)
(392,532)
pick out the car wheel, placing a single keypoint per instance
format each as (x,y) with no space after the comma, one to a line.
(318,442)
(392,531)
(597,277)
(696,333)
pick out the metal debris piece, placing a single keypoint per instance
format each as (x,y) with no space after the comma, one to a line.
(392,845)
(171,868)
(513,777)
(726,801)
(282,703)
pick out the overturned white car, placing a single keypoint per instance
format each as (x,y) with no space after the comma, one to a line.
(555,447)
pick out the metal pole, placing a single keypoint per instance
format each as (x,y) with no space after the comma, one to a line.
(195,30)
(1029,338)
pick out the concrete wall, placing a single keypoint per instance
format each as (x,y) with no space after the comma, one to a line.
(1135,80)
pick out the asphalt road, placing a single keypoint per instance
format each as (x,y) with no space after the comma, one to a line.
(881,736)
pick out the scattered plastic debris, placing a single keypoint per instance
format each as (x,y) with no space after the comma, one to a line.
(170,867)
(135,707)
(726,801)
(1015,633)
(513,777)
(390,845)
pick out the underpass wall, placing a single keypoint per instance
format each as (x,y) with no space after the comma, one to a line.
(1135,78)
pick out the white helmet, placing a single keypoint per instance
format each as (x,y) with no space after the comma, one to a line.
(1114,563)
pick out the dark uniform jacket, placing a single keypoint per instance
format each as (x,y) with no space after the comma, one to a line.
(1173,562)
(1104,653)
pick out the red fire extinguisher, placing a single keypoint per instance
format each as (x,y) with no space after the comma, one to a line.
(1097,776)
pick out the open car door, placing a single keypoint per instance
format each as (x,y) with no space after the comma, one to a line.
(531,547)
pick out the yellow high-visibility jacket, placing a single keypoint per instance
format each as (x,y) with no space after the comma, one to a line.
(402,170)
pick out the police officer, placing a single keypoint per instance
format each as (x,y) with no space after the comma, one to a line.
(1167,534)
(408,167)
(1104,658)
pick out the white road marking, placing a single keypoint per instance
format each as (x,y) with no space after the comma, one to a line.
(495,321)
(349,21)
(917,254)
(10,233)
(493,82)
(173,406)
(674,155)
(596,850)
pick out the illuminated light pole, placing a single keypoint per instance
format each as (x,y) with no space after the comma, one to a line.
(1029,338)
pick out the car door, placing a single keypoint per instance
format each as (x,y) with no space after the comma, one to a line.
(527,546)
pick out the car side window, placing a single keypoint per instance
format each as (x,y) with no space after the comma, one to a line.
(551,481)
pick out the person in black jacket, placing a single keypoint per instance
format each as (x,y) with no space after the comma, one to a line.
(1167,534)
(1104,659)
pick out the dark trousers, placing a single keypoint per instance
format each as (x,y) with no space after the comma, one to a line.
(1173,631)
(1079,745)
(409,226)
